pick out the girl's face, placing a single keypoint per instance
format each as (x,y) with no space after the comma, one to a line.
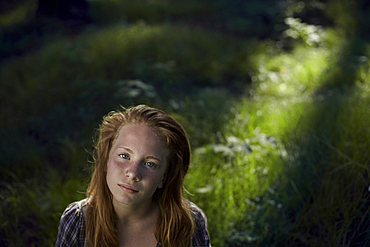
(136,165)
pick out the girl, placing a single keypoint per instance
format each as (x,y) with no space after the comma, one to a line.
(135,197)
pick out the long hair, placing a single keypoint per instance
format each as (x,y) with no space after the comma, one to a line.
(175,224)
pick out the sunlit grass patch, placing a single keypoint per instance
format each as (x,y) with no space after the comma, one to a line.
(226,176)
(292,175)
(295,74)
(326,167)
(234,178)
(318,190)
(269,115)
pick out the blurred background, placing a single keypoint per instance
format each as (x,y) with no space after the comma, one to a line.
(274,94)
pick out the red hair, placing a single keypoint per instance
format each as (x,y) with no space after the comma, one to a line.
(175,224)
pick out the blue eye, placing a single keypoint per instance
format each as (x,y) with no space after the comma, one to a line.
(150,164)
(123,156)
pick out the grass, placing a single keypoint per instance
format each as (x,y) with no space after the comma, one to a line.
(333,206)
(30,209)
(279,136)
(302,175)
(164,55)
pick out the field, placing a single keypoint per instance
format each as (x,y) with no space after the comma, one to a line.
(277,111)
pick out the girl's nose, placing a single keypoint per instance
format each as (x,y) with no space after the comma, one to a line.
(133,171)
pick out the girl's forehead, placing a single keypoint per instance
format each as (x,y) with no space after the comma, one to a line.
(140,136)
(141,127)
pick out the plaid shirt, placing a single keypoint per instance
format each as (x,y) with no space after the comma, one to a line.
(71,231)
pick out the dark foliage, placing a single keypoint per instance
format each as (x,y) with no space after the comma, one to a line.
(64,9)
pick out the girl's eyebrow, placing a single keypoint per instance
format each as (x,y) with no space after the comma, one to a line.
(127,149)
(154,158)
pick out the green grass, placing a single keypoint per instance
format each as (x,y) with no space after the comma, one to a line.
(305,159)
(164,55)
(30,210)
(279,137)
(331,216)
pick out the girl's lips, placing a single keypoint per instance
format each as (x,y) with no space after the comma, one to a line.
(128,188)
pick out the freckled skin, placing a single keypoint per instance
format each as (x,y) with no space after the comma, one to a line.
(136,166)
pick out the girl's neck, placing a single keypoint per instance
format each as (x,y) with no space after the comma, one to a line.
(142,213)
(137,229)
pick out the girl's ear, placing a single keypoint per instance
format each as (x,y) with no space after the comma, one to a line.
(162,182)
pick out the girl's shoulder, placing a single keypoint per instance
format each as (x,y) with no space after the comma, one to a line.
(71,229)
(198,213)
(76,207)
(201,235)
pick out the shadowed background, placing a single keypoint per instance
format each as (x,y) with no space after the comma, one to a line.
(275,97)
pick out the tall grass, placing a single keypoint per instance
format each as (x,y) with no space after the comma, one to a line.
(336,207)
(280,137)
(166,56)
(288,160)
